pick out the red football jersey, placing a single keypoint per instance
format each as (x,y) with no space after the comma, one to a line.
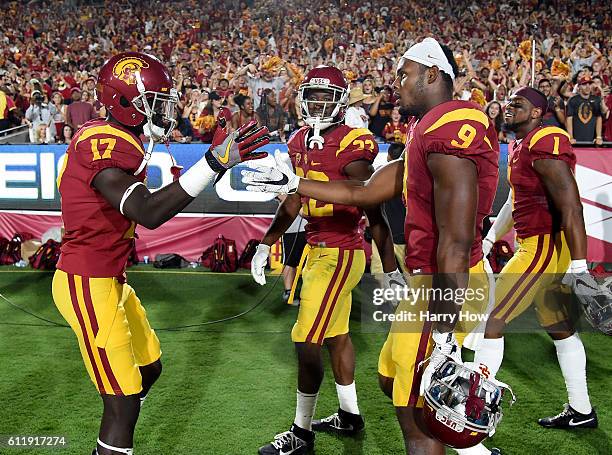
(457,128)
(331,225)
(531,205)
(98,238)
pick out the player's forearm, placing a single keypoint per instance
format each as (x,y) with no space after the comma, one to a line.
(381,234)
(503,222)
(151,210)
(572,222)
(347,192)
(285,215)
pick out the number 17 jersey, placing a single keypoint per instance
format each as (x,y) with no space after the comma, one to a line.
(98,239)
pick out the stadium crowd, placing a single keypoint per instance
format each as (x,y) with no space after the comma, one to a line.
(244,60)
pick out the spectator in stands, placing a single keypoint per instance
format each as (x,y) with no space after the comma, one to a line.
(584,54)
(495,113)
(380,112)
(356,116)
(555,116)
(208,120)
(7,106)
(39,118)
(271,114)
(79,112)
(59,118)
(67,133)
(396,130)
(370,96)
(245,111)
(584,116)
(257,85)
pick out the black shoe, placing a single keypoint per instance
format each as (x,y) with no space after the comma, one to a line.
(296,441)
(341,422)
(570,418)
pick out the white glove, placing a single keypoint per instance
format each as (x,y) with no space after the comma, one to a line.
(394,280)
(258,263)
(445,345)
(596,300)
(487,246)
(278,180)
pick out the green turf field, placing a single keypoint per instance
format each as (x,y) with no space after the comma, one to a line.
(228,388)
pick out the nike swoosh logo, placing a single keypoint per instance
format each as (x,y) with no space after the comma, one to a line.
(431,56)
(571,423)
(312,163)
(280,182)
(225,157)
(585,284)
(395,283)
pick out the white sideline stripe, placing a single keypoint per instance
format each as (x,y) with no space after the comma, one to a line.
(182,215)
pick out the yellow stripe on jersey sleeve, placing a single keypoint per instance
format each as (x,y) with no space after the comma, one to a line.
(546,131)
(488,142)
(350,137)
(458,115)
(109,131)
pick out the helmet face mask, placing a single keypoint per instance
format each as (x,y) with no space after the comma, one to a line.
(462,407)
(159,109)
(324,98)
(322,105)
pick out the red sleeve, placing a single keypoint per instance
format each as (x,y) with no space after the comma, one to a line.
(464,139)
(10,104)
(552,144)
(360,145)
(100,151)
(295,146)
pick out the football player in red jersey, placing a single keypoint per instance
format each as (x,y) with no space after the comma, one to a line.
(448,179)
(544,207)
(325,149)
(103,199)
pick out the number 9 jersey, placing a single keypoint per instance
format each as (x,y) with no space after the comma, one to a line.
(456,128)
(98,238)
(331,225)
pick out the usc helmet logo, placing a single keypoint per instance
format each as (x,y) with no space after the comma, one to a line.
(126,68)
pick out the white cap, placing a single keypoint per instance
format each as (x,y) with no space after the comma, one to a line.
(429,53)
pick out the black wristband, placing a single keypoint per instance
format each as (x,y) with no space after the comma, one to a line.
(213,163)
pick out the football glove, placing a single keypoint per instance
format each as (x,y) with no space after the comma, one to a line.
(227,150)
(445,346)
(394,280)
(259,262)
(596,300)
(278,180)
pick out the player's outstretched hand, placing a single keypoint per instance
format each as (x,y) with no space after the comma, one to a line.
(227,150)
(258,263)
(595,299)
(279,179)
